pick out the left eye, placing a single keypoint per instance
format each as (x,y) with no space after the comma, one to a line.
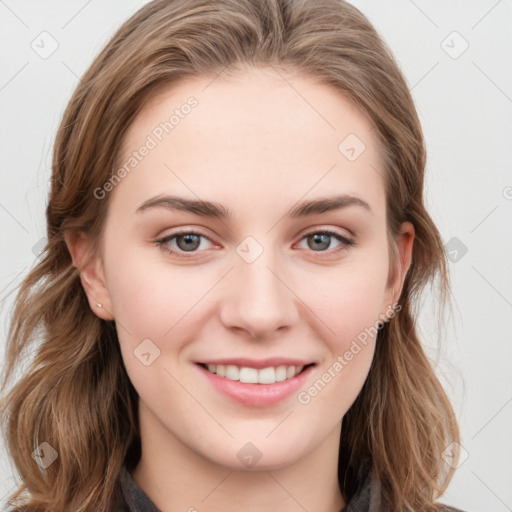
(190,241)
(322,240)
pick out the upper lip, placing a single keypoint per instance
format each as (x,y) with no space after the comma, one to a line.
(257,363)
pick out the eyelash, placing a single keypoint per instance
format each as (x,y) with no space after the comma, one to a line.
(163,242)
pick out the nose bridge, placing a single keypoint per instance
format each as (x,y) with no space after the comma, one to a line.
(258,299)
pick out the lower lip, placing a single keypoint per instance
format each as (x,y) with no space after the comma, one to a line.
(257,395)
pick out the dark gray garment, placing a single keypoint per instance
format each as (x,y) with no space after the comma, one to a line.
(366,499)
(135,499)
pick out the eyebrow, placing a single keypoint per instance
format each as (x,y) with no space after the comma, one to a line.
(213,209)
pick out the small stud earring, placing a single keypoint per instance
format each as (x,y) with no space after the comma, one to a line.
(99,305)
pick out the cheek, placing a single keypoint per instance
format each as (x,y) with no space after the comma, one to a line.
(349,301)
(140,303)
(156,301)
(351,312)
(154,308)
(350,306)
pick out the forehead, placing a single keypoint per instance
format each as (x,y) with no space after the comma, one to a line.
(257,133)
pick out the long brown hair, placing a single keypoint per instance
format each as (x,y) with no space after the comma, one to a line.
(75,393)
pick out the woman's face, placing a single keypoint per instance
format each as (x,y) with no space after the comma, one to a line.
(253,171)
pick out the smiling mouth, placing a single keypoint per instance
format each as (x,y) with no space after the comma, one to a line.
(248,375)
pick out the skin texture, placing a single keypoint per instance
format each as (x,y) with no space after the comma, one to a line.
(254,145)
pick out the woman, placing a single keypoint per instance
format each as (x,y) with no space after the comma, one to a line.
(223,316)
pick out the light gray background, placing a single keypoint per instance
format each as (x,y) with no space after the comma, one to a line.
(465,105)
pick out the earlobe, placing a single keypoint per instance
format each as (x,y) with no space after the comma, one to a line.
(90,265)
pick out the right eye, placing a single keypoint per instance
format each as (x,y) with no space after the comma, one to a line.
(185,241)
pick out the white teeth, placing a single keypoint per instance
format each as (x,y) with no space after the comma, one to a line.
(232,372)
(267,376)
(280,373)
(249,375)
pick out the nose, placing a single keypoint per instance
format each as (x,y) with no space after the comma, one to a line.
(258,299)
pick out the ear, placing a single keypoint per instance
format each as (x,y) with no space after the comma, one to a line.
(90,264)
(400,267)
